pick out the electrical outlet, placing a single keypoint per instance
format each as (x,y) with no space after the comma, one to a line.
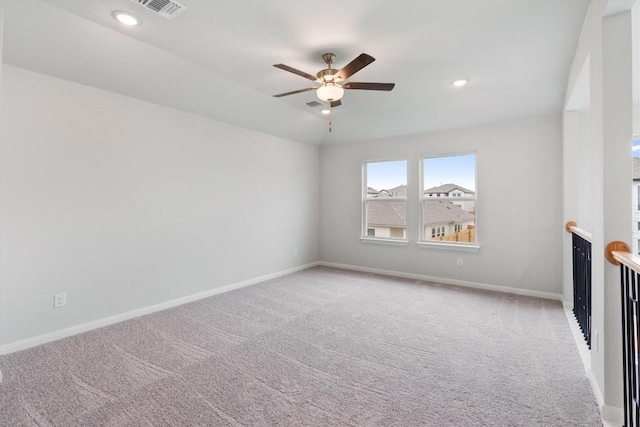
(459,262)
(59,300)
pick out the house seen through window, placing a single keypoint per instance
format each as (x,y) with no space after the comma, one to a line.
(452,217)
(385,200)
(448,199)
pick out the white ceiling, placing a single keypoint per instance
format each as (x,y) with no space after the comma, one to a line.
(215,59)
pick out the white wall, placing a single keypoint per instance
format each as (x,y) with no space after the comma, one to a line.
(598,177)
(618,176)
(518,232)
(124,204)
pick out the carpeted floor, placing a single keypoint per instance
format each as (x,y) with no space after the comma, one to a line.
(322,347)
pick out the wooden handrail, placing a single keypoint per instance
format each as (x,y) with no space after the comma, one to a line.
(572,227)
(619,253)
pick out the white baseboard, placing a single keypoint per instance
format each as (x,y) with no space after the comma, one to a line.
(583,349)
(85,327)
(463,283)
(596,389)
(612,416)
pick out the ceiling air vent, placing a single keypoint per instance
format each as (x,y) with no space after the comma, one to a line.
(167,8)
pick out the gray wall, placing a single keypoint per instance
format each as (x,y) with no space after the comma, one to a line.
(124,204)
(519,206)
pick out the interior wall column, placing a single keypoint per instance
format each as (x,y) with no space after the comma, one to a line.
(617,121)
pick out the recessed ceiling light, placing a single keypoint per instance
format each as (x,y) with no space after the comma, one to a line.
(459,82)
(325,111)
(126,18)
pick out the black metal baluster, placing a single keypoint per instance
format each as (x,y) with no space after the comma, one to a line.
(582,285)
(624,287)
(632,322)
(587,287)
(629,281)
(625,374)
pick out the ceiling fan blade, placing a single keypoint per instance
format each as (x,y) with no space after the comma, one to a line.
(335,103)
(354,66)
(294,92)
(369,86)
(294,71)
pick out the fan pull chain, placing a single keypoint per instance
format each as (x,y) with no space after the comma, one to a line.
(329,125)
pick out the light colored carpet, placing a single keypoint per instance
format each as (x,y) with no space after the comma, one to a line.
(322,347)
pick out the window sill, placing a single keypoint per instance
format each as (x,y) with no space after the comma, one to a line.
(448,246)
(390,242)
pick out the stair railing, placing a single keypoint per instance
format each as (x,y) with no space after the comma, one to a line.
(581,244)
(618,253)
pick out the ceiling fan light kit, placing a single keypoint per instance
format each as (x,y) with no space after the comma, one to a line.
(334,82)
(330,92)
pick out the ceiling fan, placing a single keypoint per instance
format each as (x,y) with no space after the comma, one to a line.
(333,82)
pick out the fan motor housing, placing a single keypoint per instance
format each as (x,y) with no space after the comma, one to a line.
(327,74)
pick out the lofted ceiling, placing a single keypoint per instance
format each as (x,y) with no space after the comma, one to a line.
(215,59)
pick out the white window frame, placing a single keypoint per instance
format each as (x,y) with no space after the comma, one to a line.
(423,240)
(437,231)
(365,200)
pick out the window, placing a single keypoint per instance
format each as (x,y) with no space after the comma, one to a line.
(384,207)
(437,232)
(450,219)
